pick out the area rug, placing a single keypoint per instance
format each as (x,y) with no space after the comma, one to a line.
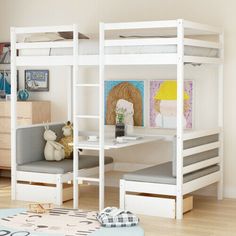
(61,221)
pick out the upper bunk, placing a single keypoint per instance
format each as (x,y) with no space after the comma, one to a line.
(132,43)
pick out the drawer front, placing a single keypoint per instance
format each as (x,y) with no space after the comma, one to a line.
(153,206)
(5,124)
(24,121)
(41,112)
(5,141)
(5,158)
(24,109)
(5,109)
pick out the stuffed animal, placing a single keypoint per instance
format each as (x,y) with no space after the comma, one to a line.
(53,150)
(67,139)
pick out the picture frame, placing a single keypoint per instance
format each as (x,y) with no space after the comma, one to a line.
(163,115)
(5,83)
(37,80)
(5,53)
(124,93)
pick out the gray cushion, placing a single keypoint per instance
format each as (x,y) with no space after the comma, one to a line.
(196,157)
(61,167)
(163,174)
(30,142)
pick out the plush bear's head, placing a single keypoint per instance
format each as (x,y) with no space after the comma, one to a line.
(67,129)
(49,135)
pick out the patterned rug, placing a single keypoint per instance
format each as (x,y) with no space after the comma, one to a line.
(67,222)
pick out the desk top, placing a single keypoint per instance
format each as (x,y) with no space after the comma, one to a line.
(111,143)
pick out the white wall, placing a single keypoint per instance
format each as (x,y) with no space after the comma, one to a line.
(88,13)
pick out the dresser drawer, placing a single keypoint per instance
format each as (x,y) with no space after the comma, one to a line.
(24,109)
(5,158)
(5,123)
(5,141)
(5,109)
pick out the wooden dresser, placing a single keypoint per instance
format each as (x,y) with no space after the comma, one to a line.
(29,112)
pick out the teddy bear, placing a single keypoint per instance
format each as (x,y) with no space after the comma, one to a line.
(67,140)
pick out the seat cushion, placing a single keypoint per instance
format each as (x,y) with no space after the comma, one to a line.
(62,167)
(163,174)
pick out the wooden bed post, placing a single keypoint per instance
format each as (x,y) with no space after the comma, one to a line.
(13,113)
(220,189)
(180,104)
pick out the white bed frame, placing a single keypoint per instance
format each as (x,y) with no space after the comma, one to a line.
(102,60)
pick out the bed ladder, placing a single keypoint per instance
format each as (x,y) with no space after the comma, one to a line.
(78,117)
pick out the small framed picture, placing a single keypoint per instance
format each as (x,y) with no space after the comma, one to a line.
(5,83)
(37,80)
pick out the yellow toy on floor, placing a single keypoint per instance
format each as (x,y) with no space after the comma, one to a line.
(68,138)
(40,207)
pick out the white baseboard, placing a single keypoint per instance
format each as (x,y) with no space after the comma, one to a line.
(230,193)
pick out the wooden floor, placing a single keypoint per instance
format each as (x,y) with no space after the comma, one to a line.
(209,217)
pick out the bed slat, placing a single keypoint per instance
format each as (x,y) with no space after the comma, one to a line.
(201,148)
(200,165)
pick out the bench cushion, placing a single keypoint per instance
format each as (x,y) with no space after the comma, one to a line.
(62,167)
(163,174)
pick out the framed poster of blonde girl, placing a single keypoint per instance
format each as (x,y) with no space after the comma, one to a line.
(163,104)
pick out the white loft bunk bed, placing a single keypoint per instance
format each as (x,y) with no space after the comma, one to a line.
(177,57)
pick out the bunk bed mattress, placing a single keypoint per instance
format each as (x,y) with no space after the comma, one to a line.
(91,47)
(162,174)
(62,167)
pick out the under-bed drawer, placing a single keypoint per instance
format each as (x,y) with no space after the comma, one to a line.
(163,206)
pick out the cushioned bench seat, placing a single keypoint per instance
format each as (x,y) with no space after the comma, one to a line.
(163,174)
(62,167)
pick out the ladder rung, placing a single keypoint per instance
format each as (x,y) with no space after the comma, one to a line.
(87,117)
(87,85)
(88,179)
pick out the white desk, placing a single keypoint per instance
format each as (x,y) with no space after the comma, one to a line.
(111,143)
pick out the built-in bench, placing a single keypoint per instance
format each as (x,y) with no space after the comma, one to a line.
(163,174)
(62,167)
(153,190)
(46,181)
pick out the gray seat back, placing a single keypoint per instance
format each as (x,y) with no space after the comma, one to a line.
(30,142)
(191,143)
